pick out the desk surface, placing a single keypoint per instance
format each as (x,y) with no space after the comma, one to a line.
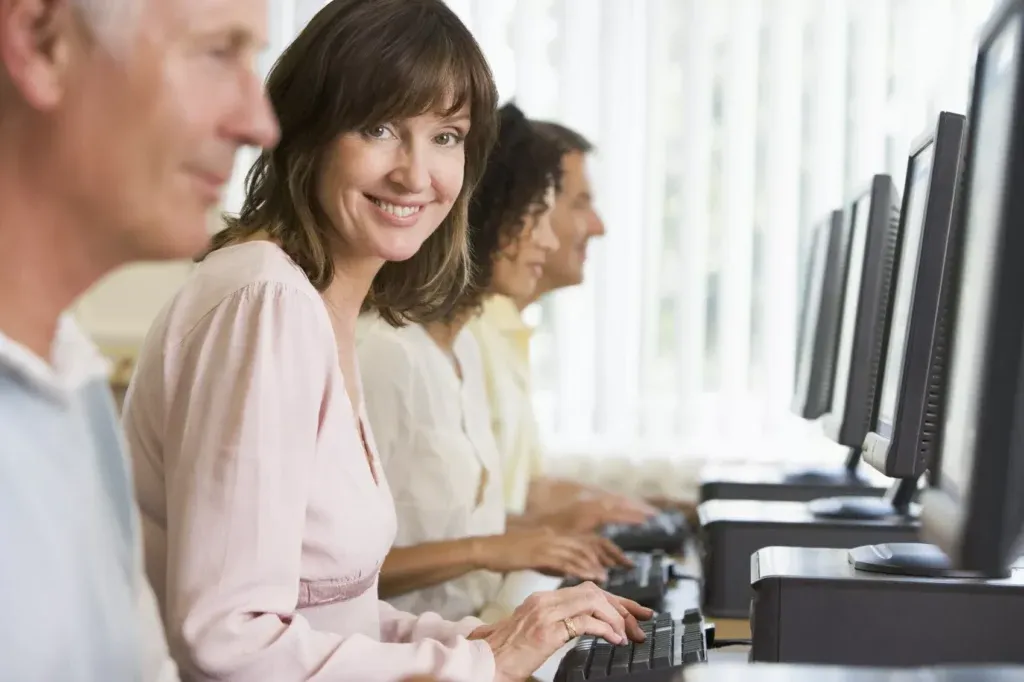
(778,672)
(834,565)
(747,472)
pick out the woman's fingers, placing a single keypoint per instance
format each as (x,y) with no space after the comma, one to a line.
(610,553)
(633,629)
(637,611)
(572,563)
(575,558)
(588,599)
(585,549)
(588,625)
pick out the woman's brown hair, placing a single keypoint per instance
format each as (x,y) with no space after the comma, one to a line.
(360,63)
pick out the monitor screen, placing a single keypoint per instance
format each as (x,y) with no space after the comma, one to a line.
(988,163)
(913,229)
(812,307)
(851,299)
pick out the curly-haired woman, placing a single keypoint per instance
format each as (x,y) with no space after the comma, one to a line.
(426,399)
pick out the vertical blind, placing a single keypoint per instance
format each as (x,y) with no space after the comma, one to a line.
(724,129)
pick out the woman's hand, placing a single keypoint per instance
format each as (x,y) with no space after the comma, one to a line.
(607,551)
(588,514)
(547,620)
(544,550)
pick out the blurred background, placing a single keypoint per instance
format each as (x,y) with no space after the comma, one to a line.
(724,130)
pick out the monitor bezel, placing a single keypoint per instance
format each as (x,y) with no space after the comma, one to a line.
(826,333)
(979,531)
(809,310)
(805,400)
(897,449)
(870,318)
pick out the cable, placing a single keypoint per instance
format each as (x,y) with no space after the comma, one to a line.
(721,643)
(686,576)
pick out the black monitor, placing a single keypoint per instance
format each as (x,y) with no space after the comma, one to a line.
(975,508)
(901,440)
(819,316)
(865,314)
(903,430)
(813,254)
(820,341)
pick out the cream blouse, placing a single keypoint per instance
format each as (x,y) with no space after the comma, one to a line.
(438,451)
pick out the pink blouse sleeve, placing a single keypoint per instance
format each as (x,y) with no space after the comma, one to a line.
(399,626)
(241,431)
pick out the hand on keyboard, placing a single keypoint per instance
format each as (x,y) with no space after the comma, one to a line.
(669,646)
(547,620)
(545,551)
(588,514)
(608,553)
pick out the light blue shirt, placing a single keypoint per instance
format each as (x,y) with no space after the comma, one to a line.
(74,602)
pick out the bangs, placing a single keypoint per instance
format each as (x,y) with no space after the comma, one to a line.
(429,68)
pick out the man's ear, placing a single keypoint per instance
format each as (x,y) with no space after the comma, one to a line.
(36,44)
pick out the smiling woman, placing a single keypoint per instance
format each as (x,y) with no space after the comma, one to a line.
(391,114)
(264,507)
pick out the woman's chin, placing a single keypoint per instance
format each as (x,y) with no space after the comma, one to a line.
(397,252)
(398,245)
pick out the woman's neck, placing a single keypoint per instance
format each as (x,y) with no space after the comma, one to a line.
(349,288)
(445,332)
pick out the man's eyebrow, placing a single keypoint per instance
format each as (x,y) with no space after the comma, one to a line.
(241,37)
(237,35)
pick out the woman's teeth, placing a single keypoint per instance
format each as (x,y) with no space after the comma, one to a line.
(397,211)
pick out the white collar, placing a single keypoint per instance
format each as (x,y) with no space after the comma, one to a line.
(74,361)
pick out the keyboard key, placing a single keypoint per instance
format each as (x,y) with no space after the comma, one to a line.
(669,645)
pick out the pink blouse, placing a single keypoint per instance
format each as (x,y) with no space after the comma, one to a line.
(264,526)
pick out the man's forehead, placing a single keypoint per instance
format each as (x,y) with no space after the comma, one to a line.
(574,174)
(245,17)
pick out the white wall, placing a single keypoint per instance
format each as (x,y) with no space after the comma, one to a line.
(118,311)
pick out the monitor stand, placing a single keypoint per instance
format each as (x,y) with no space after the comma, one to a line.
(896,502)
(915,559)
(845,476)
(776,483)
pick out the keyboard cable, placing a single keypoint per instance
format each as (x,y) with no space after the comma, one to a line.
(722,643)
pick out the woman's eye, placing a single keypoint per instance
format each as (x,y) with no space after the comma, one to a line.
(378,132)
(448,139)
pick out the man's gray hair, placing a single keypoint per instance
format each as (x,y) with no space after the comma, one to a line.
(111,20)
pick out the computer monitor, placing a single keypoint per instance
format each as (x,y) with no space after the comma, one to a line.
(820,341)
(901,440)
(975,508)
(819,316)
(904,423)
(812,253)
(865,313)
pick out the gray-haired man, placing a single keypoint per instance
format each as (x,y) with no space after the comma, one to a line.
(119,121)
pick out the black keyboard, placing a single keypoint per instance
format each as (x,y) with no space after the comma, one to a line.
(667,531)
(645,582)
(669,646)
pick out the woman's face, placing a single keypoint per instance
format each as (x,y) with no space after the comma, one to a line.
(520,263)
(388,187)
